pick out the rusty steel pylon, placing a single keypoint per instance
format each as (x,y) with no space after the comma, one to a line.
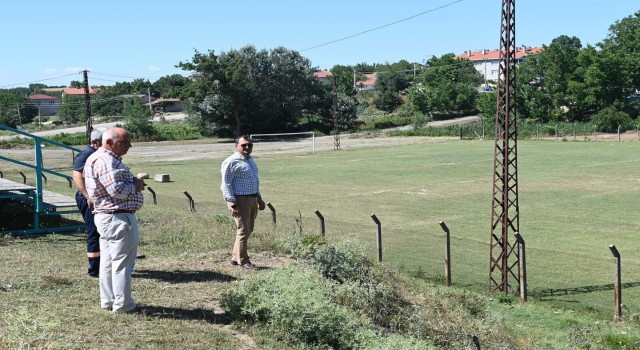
(505,217)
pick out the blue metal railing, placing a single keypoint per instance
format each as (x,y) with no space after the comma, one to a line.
(39,207)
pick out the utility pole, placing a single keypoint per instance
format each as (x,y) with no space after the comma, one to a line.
(19,116)
(334,110)
(505,216)
(149,94)
(87,105)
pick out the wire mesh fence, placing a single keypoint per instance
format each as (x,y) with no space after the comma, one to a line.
(566,279)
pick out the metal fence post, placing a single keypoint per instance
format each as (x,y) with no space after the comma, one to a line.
(192,204)
(24,177)
(522,266)
(153,193)
(447,254)
(273,213)
(321,222)
(378,235)
(617,284)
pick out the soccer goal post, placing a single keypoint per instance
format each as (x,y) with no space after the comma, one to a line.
(287,137)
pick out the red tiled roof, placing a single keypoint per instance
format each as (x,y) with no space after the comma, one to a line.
(322,74)
(42,97)
(72,91)
(371,79)
(495,54)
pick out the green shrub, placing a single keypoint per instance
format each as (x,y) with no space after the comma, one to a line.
(608,120)
(295,306)
(176,132)
(343,261)
(74,139)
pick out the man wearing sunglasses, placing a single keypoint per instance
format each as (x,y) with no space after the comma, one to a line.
(241,190)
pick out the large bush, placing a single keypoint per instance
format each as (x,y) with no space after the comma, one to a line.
(608,120)
(295,306)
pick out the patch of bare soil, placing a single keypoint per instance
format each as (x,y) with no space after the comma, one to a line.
(189,287)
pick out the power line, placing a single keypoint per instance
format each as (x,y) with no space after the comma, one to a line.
(37,81)
(383,26)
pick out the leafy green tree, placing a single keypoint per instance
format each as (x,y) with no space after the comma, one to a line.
(486,106)
(447,86)
(137,119)
(610,118)
(623,41)
(72,108)
(388,101)
(12,101)
(246,89)
(344,79)
(544,80)
(76,84)
(140,86)
(169,86)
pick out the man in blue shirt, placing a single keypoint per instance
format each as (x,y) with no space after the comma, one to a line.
(241,190)
(85,205)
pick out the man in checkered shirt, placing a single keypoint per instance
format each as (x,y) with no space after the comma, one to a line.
(116,196)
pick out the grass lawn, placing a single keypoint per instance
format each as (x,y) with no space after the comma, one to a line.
(575,198)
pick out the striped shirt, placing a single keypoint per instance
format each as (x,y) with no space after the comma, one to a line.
(110,184)
(239,177)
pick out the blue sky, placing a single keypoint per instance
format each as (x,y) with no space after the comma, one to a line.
(120,40)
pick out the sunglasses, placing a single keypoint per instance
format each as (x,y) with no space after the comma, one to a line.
(247,145)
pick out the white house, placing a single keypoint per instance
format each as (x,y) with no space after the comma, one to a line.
(487,62)
(47,105)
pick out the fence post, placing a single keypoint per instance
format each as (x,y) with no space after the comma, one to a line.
(556,132)
(24,177)
(617,285)
(378,235)
(44,177)
(447,254)
(273,213)
(321,222)
(522,267)
(192,204)
(1,174)
(618,133)
(574,131)
(153,193)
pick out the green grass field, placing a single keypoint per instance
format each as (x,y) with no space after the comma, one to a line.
(575,198)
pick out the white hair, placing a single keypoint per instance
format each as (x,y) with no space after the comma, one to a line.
(96,134)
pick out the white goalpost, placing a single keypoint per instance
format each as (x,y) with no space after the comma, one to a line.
(288,135)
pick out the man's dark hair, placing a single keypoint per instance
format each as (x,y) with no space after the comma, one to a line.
(245,136)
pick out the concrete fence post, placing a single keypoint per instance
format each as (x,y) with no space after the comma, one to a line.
(617,284)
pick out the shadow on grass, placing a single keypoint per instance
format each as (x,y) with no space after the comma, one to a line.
(184,314)
(183,276)
(548,293)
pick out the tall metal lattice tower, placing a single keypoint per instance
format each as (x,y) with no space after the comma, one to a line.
(505,217)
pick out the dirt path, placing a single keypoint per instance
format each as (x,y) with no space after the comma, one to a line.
(207,149)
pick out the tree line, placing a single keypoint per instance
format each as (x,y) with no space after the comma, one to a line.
(249,90)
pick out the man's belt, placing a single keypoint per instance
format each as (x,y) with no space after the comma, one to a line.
(119,211)
(247,195)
